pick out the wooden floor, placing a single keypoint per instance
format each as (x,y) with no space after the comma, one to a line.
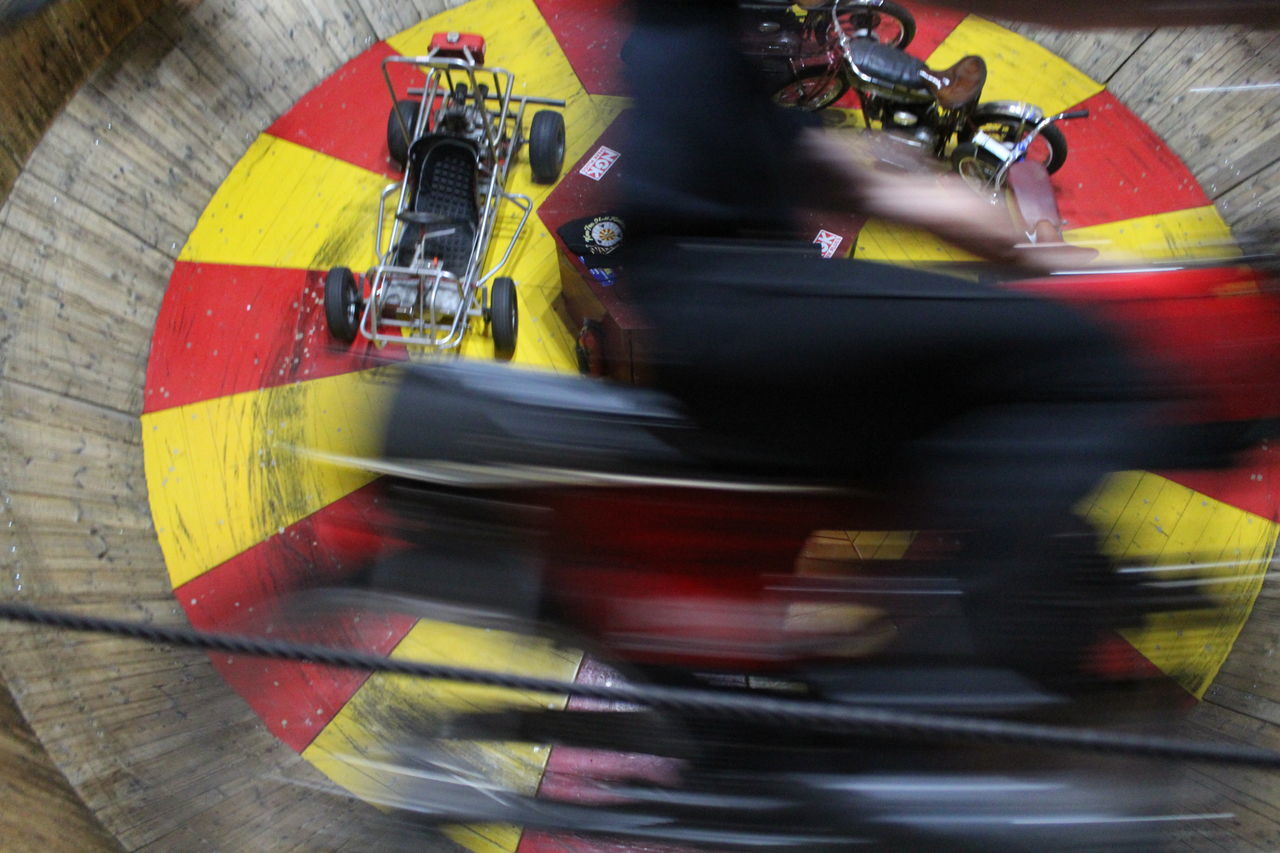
(163,755)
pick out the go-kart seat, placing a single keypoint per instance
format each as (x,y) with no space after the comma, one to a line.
(445,199)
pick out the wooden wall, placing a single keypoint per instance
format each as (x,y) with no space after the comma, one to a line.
(47,57)
(1212,93)
(151,739)
(155,744)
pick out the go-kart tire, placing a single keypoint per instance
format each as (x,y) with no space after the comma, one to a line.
(342,304)
(504,318)
(906,21)
(397,145)
(546,146)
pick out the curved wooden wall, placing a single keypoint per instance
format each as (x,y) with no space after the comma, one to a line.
(153,742)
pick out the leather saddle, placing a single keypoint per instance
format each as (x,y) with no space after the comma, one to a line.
(898,74)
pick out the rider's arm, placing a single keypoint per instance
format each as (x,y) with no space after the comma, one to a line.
(844,172)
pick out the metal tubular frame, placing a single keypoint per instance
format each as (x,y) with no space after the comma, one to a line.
(429,323)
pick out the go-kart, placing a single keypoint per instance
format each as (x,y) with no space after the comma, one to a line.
(456,137)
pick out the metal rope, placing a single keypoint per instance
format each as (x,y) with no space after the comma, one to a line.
(754,708)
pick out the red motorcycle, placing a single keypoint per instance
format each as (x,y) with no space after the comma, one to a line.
(601,516)
(664,544)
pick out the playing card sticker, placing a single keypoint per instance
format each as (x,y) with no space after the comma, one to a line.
(829,242)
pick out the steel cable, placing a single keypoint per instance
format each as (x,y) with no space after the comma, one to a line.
(875,722)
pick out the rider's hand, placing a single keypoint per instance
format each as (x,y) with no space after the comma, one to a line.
(849,171)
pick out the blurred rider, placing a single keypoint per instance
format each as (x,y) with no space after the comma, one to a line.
(990,412)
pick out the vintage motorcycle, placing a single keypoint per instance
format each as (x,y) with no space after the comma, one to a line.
(801,55)
(1007,173)
(809,63)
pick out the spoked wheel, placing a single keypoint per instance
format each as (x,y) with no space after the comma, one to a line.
(1010,122)
(976,166)
(546,146)
(812,88)
(886,22)
(342,304)
(503,318)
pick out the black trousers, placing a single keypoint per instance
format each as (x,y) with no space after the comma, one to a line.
(992,412)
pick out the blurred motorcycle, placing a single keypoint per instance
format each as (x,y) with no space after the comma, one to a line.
(602,517)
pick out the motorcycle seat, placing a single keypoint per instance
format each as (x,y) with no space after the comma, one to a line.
(888,67)
(883,65)
(962,83)
(494,416)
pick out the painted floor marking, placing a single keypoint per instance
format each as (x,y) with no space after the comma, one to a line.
(1197,232)
(243,595)
(284,205)
(889,242)
(226,329)
(1145,519)
(223,475)
(1018,69)
(391,712)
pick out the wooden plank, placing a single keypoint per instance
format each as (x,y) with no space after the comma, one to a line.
(152,737)
(1186,85)
(1097,53)
(47,57)
(43,813)
(1252,206)
(58,337)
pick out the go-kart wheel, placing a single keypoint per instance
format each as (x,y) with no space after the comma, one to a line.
(546,146)
(503,318)
(342,304)
(811,89)
(885,21)
(1010,122)
(397,145)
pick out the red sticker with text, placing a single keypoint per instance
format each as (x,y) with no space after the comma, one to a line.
(829,242)
(600,162)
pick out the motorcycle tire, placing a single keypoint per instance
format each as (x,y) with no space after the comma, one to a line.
(906,21)
(976,166)
(811,89)
(1015,126)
